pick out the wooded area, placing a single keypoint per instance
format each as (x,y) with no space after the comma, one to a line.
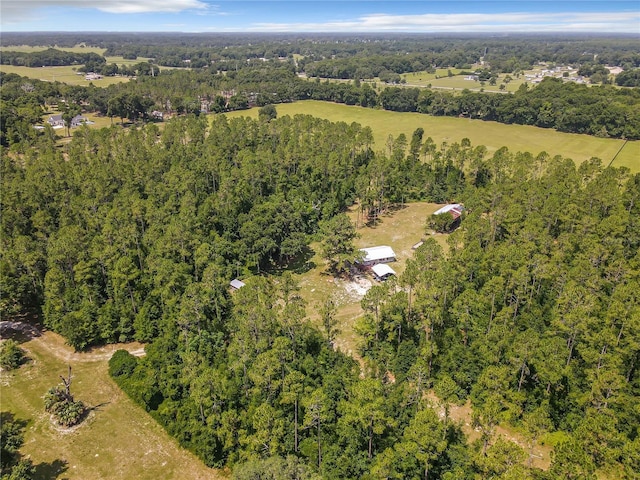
(531,313)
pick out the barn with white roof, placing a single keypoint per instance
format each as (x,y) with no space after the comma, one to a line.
(375,255)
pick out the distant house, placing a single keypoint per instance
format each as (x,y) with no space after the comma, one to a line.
(78,120)
(382,271)
(56,121)
(374,255)
(157,115)
(473,78)
(236,284)
(92,76)
(455,209)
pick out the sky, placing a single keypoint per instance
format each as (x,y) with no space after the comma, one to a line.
(348,16)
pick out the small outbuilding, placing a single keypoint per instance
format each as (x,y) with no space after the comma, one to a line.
(417,245)
(236,284)
(382,271)
(455,209)
(374,255)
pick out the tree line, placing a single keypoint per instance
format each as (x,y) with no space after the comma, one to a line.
(603,111)
(50,57)
(337,54)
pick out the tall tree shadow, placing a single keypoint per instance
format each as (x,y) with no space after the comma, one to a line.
(12,439)
(50,471)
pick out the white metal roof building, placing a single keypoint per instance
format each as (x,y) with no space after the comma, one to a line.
(455,209)
(237,284)
(382,271)
(375,255)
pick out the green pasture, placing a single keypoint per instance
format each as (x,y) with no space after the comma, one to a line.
(31,49)
(441,80)
(117,440)
(66,74)
(423,78)
(493,135)
(458,82)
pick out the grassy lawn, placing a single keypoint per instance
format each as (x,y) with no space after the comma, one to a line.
(118,440)
(451,129)
(629,156)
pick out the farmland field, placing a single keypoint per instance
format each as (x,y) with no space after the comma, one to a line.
(450,129)
(31,49)
(117,440)
(458,82)
(66,74)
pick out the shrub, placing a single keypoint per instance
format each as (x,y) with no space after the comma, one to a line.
(11,355)
(65,409)
(122,363)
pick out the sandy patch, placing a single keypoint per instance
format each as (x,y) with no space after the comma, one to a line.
(353,290)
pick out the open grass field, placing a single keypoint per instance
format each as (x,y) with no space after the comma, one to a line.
(458,82)
(66,74)
(118,439)
(31,49)
(451,129)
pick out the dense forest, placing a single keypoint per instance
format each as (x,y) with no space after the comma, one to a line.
(532,312)
(49,57)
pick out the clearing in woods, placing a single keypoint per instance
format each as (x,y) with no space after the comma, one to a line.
(400,229)
(117,440)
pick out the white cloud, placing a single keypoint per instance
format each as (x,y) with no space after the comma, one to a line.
(472,22)
(142,6)
(15,11)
